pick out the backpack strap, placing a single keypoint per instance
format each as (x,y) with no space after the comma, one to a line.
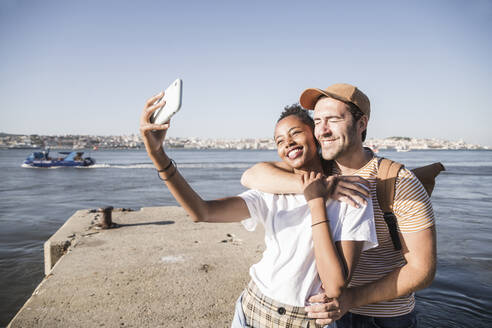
(385,190)
(385,183)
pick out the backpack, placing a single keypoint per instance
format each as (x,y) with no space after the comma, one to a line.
(385,189)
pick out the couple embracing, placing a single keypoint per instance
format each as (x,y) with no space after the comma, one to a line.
(327,245)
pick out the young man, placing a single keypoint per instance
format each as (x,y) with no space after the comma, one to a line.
(381,291)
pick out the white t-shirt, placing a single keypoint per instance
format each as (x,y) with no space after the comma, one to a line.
(287,271)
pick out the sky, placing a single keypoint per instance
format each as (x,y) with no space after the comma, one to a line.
(88,67)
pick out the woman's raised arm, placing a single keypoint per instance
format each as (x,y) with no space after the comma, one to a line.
(230,209)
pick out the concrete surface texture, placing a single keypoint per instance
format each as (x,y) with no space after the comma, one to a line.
(155,269)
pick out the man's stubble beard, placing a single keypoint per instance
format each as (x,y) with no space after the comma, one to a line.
(342,150)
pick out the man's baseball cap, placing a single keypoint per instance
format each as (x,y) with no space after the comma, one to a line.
(340,91)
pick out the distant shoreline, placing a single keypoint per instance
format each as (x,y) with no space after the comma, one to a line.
(134,141)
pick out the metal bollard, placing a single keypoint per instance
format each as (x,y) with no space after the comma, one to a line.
(106,221)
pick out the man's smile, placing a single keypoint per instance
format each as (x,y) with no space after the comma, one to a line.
(328,142)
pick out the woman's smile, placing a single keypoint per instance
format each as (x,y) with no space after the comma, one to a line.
(295,152)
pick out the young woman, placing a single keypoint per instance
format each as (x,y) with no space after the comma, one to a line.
(309,242)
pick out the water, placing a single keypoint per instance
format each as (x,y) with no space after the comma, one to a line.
(34,203)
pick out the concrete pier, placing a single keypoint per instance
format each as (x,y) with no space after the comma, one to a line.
(156,268)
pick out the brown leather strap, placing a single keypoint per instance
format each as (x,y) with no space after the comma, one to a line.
(385,190)
(385,183)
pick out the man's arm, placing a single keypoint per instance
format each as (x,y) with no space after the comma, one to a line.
(414,211)
(415,216)
(419,250)
(279,178)
(272,177)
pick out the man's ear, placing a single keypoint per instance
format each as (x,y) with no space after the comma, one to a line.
(362,123)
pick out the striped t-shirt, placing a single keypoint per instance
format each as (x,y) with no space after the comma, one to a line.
(413,210)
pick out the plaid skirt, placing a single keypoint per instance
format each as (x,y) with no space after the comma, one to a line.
(263,312)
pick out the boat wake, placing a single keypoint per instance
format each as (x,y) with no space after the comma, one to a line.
(118,166)
(43,168)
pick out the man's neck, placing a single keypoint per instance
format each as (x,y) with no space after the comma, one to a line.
(353,161)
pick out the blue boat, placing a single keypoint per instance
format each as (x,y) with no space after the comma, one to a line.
(70,159)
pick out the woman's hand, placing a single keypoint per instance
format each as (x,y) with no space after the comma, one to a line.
(313,186)
(153,135)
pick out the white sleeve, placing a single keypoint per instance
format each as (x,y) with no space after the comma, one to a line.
(358,224)
(257,206)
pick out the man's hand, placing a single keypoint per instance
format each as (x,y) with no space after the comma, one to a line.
(352,190)
(328,309)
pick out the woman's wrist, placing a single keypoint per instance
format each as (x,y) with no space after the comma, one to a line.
(161,161)
(168,172)
(316,202)
(317,209)
(171,162)
(318,222)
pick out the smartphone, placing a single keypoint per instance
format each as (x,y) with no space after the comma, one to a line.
(172,96)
